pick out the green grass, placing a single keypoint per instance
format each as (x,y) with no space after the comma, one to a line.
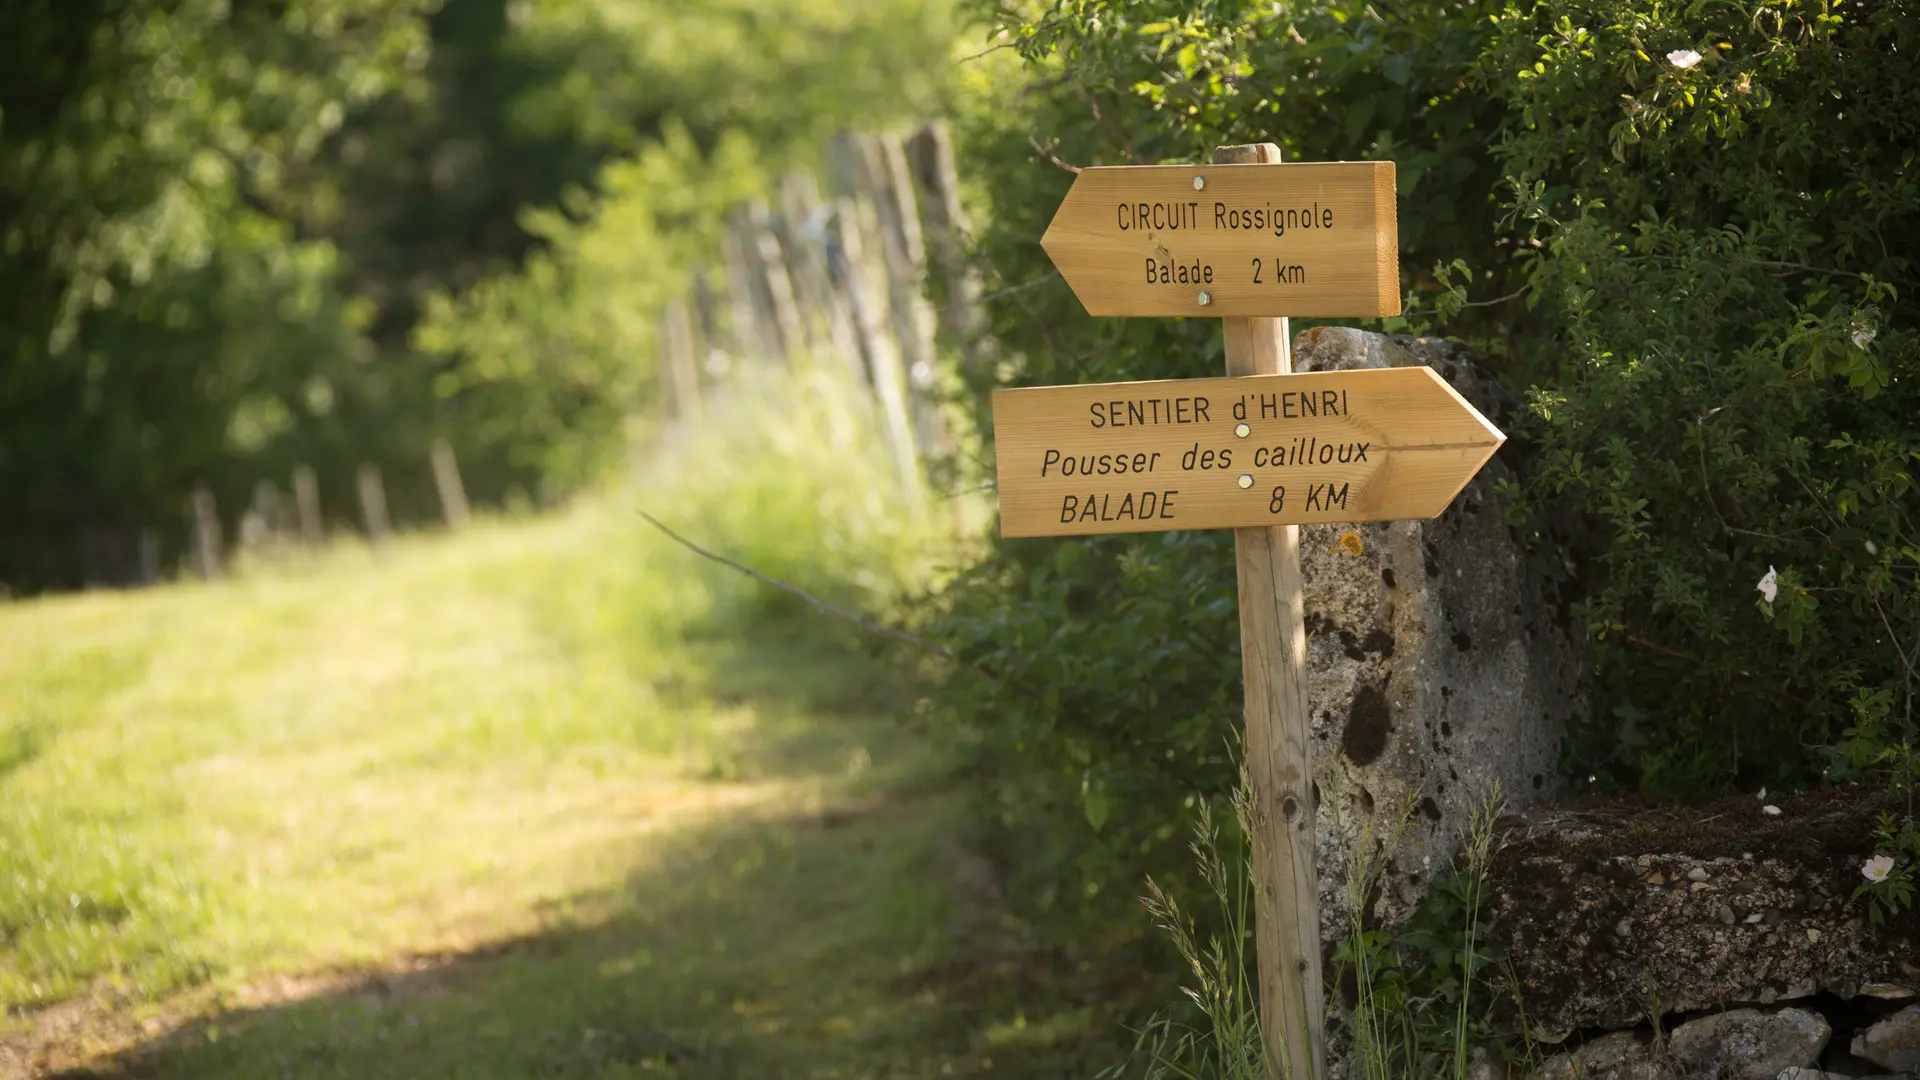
(551,798)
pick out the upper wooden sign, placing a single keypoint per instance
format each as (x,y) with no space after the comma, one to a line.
(1312,239)
(1374,445)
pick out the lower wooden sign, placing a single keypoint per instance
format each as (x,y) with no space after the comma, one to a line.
(1372,445)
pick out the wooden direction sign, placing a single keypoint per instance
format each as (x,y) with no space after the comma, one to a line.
(1374,445)
(1261,452)
(1314,239)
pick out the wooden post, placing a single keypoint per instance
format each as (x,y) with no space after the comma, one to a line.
(373,504)
(446,481)
(149,557)
(944,222)
(743,308)
(803,230)
(267,506)
(679,370)
(706,325)
(206,533)
(782,308)
(1273,651)
(906,254)
(306,505)
(883,364)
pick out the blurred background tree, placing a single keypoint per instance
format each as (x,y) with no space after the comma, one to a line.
(224,220)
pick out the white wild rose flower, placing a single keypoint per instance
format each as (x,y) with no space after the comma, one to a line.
(1862,336)
(1877,868)
(1769,586)
(1683,58)
(1772,810)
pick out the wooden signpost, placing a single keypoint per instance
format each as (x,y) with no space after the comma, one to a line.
(1381,445)
(1245,239)
(1234,239)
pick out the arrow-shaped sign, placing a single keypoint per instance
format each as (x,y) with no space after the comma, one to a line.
(1313,239)
(1371,445)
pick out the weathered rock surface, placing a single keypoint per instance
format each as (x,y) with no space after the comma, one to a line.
(1444,664)
(1747,1044)
(1819,1075)
(1610,909)
(1893,1043)
(1622,1055)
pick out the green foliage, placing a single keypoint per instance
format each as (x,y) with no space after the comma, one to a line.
(1888,889)
(159,320)
(1411,1000)
(545,363)
(1221,1038)
(1703,271)
(221,225)
(1415,997)
(1722,208)
(545,670)
(1120,655)
(786,73)
(790,475)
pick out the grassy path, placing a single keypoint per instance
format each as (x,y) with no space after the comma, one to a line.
(533,802)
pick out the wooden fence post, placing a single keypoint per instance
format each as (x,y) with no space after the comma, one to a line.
(306,504)
(803,235)
(679,369)
(272,512)
(781,308)
(904,251)
(446,482)
(373,505)
(944,222)
(883,364)
(205,533)
(1273,649)
(149,557)
(706,325)
(743,306)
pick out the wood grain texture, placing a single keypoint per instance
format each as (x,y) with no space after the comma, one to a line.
(1387,444)
(1279,755)
(1312,239)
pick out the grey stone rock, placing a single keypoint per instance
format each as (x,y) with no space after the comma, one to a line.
(1797,1073)
(1444,664)
(1619,1056)
(1747,1044)
(1893,1043)
(1567,880)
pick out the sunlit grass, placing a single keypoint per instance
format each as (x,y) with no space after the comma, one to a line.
(551,797)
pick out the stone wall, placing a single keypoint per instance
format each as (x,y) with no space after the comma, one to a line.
(1729,927)
(1645,943)
(1444,658)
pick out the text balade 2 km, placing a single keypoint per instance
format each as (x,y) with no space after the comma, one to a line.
(1198,409)
(1164,216)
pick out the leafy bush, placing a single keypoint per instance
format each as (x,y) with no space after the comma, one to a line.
(1725,211)
(545,363)
(1120,700)
(221,225)
(789,474)
(1701,267)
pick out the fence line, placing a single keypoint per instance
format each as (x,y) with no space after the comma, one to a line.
(842,276)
